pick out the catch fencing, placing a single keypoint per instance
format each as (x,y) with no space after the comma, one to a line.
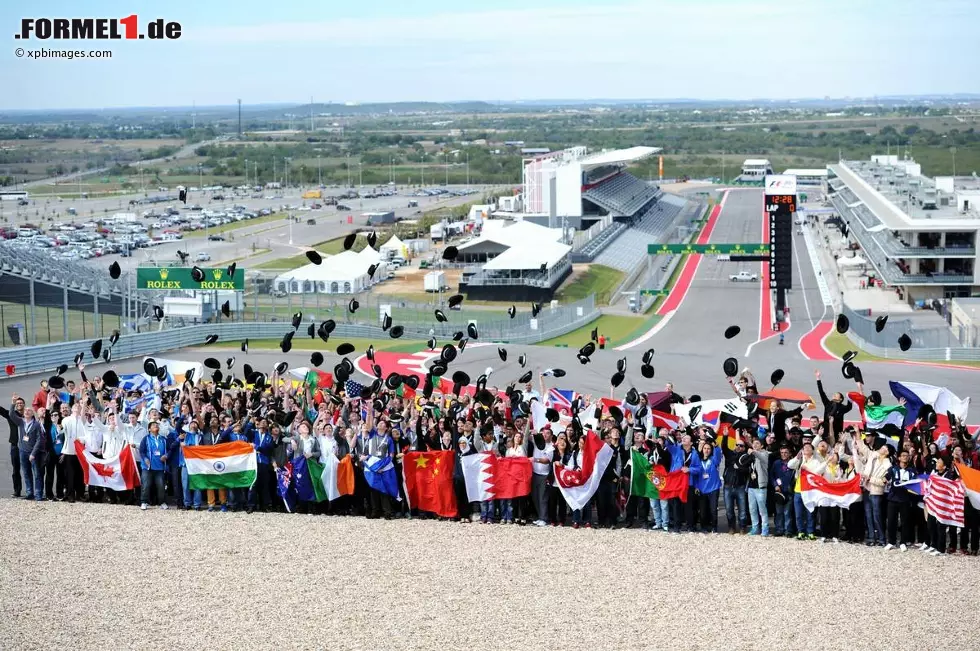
(923,337)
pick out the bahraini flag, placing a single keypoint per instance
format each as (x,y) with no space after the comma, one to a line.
(226,465)
(816,490)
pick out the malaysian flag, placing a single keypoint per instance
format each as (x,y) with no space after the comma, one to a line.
(561,400)
(944,500)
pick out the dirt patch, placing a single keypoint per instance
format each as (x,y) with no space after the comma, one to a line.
(412,280)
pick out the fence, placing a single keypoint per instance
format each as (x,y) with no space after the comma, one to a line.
(915,354)
(584,237)
(936,337)
(551,322)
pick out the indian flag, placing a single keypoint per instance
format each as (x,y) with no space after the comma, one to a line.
(877,416)
(226,465)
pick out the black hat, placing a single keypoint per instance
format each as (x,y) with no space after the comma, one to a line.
(558,372)
(96,349)
(188,375)
(197,274)
(842,323)
(376,369)
(349,241)
(457,387)
(472,331)
(512,311)
(226,308)
(297,319)
(776,377)
(904,342)
(287,342)
(316,358)
(397,332)
(450,253)
(874,398)
(231,270)
(107,355)
(648,356)
(62,369)
(157,312)
(340,372)
(162,373)
(314,257)
(393,381)
(432,343)
(847,370)
(353,305)
(110,379)
(744,460)
(372,239)
(455,299)
(522,359)
(448,353)
(642,411)
(311,330)
(646,370)
(114,337)
(212,363)
(285,418)
(245,346)
(462,344)
(502,353)
(345,348)
(78,358)
(216,376)
(371,270)
(56,382)
(458,335)
(370,352)
(695,397)
(427,387)
(849,355)
(858,377)
(552,415)
(617,378)
(247,370)
(616,413)
(730,367)
(115,271)
(438,369)
(150,366)
(281,367)
(732,331)
(385,322)
(535,308)
(526,377)
(587,349)
(440,316)
(594,335)
(211,339)
(328,326)
(880,322)
(230,362)
(621,365)
(259,380)
(632,397)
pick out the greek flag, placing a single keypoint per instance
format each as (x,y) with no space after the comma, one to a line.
(135,403)
(135,382)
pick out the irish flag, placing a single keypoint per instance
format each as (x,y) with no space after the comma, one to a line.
(117,473)
(971,482)
(226,465)
(817,491)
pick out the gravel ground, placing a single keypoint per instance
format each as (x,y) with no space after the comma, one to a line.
(100,576)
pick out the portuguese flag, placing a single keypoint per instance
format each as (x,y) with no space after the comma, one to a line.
(654,481)
(226,465)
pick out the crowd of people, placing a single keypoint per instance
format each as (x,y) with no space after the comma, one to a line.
(751,465)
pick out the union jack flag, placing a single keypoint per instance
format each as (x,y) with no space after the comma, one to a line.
(561,400)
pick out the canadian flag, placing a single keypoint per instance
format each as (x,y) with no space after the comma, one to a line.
(578,484)
(489,477)
(117,473)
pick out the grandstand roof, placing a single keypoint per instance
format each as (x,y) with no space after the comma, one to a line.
(630,155)
(516,234)
(529,256)
(807,172)
(756,161)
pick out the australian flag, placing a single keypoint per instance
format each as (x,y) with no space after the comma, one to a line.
(302,481)
(284,481)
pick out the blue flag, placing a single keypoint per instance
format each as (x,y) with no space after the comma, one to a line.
(302,482)
(380,474)
(284,483)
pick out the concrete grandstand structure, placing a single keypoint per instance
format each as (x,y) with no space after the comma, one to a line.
(920,234)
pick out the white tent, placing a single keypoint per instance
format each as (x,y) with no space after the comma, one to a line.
(344,273)
(856,261)
(396,246)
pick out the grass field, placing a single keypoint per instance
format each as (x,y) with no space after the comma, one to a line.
(597,279)
(838,344)
(617,329)
(234,226)
(327,247)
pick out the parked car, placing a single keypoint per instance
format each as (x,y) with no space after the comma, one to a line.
(216,238)
(744,277)
(203,256)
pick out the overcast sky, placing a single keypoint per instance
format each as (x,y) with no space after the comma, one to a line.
(394,50)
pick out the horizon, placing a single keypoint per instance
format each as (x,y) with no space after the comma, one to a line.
(383,52)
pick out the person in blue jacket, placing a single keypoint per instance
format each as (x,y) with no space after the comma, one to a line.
(153,451)
(188,435)
(782,480)
(260,494)
(708,484)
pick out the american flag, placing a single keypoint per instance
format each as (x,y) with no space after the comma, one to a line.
(561,400)
(944,500)
(353,389)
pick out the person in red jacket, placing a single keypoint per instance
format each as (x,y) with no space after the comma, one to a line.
(40,400)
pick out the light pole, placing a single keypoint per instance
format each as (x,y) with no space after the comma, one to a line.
(445,160)
(290,228)
(360,184)
(246,171)
(952,150)
(319,172)
(200,177)
(467,169)
(348,170)
(422,165)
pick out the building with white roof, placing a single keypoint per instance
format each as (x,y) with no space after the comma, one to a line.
(811,177)
(755,169)
(344,273)
(920,234)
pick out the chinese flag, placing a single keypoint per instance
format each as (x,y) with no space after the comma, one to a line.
(429,481)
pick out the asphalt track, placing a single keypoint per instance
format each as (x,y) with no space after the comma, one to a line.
(690,348)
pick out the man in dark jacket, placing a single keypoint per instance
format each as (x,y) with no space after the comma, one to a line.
(736,483)
(31,446)
(834,410)
(14,447)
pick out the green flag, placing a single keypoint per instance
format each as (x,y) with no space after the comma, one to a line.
(640,483)
(315,469)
